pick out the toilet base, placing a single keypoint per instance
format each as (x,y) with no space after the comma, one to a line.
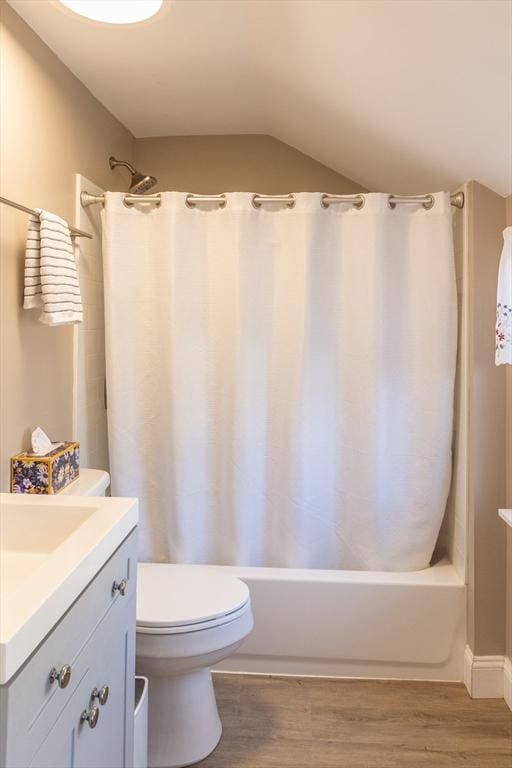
(184,723)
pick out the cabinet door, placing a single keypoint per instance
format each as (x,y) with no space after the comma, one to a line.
(109,744)
(57,750)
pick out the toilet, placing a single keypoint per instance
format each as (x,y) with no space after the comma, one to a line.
(188,619)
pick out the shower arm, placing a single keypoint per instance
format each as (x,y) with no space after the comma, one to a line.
(114,163)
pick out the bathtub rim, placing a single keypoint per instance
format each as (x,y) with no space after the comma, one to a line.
(443,573)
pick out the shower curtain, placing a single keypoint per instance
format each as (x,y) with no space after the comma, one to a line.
(280,380)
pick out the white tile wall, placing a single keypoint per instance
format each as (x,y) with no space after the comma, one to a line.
(452,538)
(90,411)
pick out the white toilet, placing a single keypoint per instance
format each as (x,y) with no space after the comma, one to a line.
(187,620)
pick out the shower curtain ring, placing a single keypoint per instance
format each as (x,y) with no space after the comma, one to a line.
(258,200)
(357,201)
(192,200)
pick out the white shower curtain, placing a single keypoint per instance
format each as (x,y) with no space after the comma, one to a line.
(280,382)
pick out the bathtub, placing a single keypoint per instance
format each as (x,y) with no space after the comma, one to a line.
(353,623)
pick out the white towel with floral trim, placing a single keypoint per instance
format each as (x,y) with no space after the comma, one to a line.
(51,277)
(504,303)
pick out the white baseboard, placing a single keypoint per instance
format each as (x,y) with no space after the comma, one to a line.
(507,681)
(484,676)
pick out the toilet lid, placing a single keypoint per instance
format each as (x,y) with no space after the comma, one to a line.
(180,595)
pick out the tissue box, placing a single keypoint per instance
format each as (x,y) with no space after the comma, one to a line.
(45,474)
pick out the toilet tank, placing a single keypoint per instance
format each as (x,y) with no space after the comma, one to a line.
(91,482)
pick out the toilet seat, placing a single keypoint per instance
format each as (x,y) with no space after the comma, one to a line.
(173,599)
(183,629)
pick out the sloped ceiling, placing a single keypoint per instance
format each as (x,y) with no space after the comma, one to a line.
(400,95)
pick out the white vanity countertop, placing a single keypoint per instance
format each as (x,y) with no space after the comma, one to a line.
(51,547)
(506,515)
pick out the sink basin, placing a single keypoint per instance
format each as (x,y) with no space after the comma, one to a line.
(29,532)
(51,547)
(36,529)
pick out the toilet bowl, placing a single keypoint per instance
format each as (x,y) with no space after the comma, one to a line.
(187,621)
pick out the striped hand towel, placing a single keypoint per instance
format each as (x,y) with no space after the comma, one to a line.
(51,278)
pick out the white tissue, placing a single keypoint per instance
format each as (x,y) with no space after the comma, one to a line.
(41,443)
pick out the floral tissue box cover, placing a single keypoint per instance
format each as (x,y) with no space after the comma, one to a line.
(45,474)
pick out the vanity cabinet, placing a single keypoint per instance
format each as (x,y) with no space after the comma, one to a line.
(71,704)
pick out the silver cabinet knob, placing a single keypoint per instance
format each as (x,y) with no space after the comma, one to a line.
(63,677)
(101,694)
(120,586)
(91,716)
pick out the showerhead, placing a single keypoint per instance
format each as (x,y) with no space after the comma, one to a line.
(139,183)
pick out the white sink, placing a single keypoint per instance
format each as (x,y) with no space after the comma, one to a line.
(50,549)
(29,532)
(37,528)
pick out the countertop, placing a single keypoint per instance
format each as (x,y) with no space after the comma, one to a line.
(51,548)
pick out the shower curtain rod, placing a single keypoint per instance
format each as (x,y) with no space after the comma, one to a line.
(72,230)
(456,199)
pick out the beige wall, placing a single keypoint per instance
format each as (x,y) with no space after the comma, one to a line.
(487,470)
(245,163)
(509,479)
(51,128)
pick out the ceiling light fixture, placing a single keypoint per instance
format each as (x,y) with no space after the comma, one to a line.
(114,11)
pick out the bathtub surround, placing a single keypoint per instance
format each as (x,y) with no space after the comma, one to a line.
(37,166)
(90,401)
(453,535)
(286,377)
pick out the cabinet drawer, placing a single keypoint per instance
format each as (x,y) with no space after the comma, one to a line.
(34,703)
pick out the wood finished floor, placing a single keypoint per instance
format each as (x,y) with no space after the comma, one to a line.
(276,722)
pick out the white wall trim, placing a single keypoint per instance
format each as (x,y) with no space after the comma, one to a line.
(484,675)
(507,681)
